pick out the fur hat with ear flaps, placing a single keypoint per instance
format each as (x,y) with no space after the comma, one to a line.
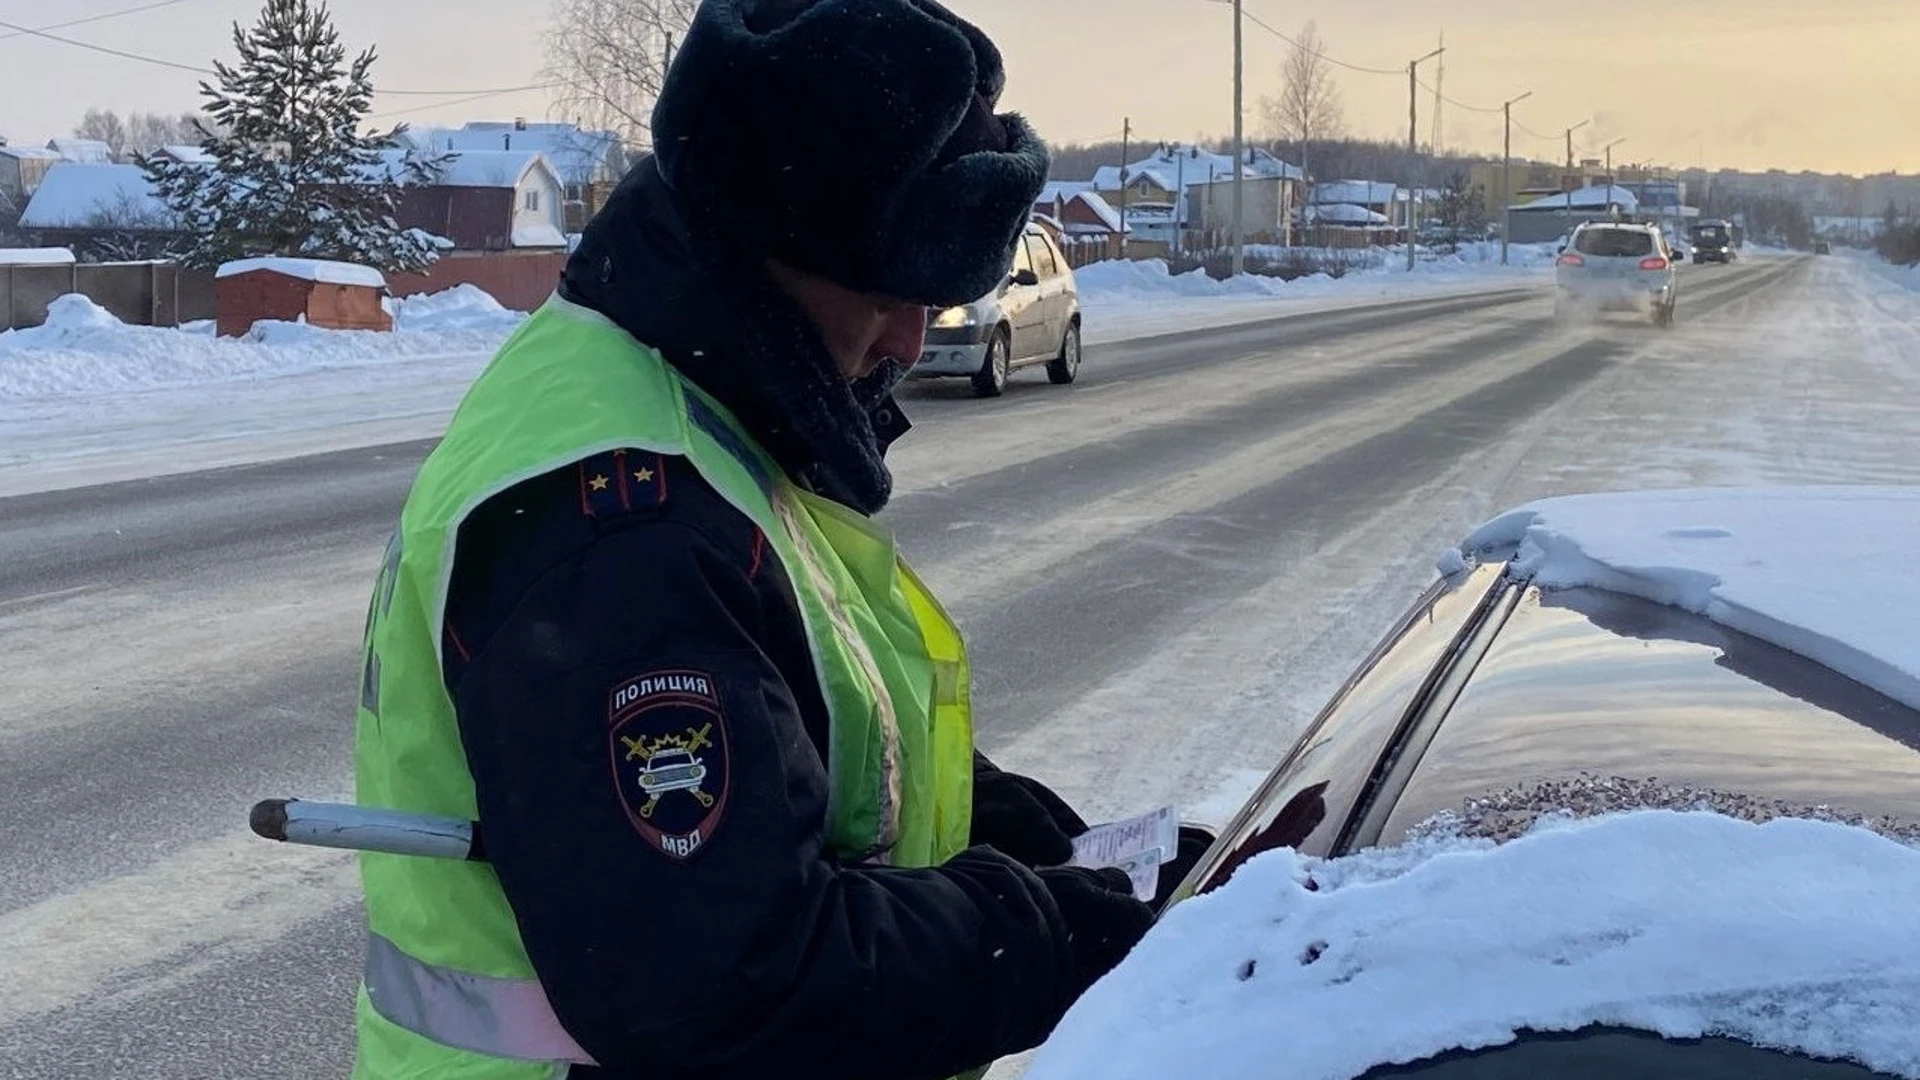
(851,139)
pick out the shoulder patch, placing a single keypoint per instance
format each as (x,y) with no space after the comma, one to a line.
(667,738)
(622,481)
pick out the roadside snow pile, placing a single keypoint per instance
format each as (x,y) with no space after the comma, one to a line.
(1131,281)
(463,307)
(1828,573)
(83,349)
(1790,934)
(1150,279)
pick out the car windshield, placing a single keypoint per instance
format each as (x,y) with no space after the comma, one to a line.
(1614,242)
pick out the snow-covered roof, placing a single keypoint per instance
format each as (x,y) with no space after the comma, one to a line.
(492,168)
(191,155)
(40,256)
(577,156)
(1749,559)
(1063,189)
(1176,165)
(1586,198)
(1794,934)
(1343,214)
(471,168)
(78,196)
(1101,208)
(29,153)
(1357,192)
(82,151)
(321,271)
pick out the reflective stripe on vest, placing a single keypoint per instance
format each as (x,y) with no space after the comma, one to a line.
(509,1018)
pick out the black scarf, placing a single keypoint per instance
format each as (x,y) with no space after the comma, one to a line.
(711,310)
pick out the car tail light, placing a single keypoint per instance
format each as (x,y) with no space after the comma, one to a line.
(1570,259)
(1653,262)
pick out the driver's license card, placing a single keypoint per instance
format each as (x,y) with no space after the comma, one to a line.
(1137,845)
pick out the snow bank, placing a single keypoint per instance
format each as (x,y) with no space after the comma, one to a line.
(322,271)
(1132,281)
(1792,933)
(82,349)
(463,307)
(1828,573)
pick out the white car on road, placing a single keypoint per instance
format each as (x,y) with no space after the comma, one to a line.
(1032,318)
(1617,266)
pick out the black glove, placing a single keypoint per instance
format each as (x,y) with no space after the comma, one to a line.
(1103,919)
(1021,818)
(1195,842)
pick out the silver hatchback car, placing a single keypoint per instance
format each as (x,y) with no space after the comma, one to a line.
(1617,266)
(1032,318)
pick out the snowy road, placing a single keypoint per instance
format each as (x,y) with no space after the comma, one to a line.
(1164,571)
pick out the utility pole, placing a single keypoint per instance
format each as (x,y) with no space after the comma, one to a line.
(1570,132)
(1126,135)
(1413,143)
(668,64)
(1506,173)
(1239,152)
(1610,147)
(1439,99)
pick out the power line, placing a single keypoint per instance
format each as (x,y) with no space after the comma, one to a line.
(22,31)
(103,49)
(1458,104)
(482,96)
(102,17)
(1264,25)
(495,92)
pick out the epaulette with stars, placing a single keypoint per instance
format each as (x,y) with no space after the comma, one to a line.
(622,481)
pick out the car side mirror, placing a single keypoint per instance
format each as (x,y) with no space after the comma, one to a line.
(1025,277)
(1679,256)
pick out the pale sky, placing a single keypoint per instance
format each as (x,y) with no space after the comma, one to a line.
(1816,84)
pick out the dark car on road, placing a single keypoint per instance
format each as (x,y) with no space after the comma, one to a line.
(1498,701)
(1712,241)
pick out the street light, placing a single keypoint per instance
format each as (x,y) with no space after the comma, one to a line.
(1570,132)
(1413,140)
(1609,149)
(1506,173)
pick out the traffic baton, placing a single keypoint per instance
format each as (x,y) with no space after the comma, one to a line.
(362,828)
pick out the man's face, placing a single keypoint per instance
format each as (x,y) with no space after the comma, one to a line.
(861,331)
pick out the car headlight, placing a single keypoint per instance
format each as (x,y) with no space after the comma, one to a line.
(953,318)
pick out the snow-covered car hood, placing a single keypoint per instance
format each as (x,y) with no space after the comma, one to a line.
(1792,934)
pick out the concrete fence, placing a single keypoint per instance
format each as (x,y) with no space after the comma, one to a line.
(141,294)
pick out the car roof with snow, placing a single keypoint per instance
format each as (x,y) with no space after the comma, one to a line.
(1648,682)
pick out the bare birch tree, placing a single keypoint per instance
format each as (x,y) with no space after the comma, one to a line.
(609,57)
(1308,108)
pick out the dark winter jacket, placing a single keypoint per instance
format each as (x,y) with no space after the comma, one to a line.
(817,969)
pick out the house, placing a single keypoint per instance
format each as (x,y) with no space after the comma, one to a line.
(1367,194)
(101,211)
(82,151)
(1545,219)
(1088,227)
(490,200)
(1158,178)
(21,170)
(1266,209)
(588,163)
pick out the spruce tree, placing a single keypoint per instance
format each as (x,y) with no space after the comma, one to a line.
(295,173)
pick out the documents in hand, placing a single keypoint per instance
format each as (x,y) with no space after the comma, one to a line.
(1138,845)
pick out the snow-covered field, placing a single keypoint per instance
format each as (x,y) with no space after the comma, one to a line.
(84,398)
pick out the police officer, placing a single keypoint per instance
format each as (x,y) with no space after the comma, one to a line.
(637,621)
